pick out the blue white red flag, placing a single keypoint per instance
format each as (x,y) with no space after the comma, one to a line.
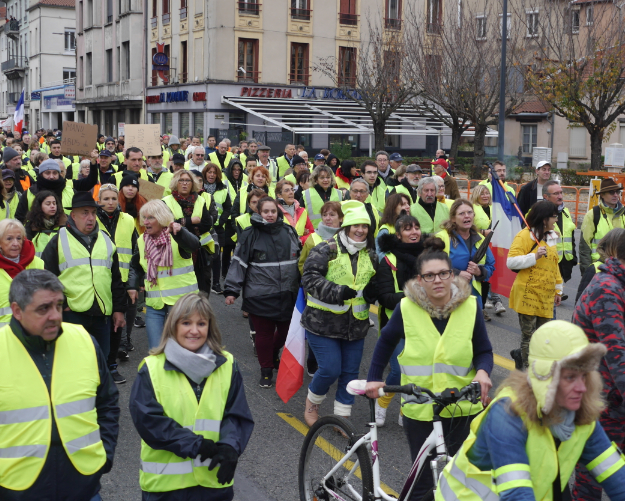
(510,223)
(291,372)
(18,116)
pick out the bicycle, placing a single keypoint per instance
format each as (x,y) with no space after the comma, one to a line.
(334,462)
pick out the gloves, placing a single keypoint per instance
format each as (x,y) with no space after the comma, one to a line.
(227,457)
(108,465)
(208,449)
(348,293)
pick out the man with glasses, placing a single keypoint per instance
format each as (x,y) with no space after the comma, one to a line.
(359,190)
(160,173)
(500,169)
(532,192)
(222,156)
(598,221)
(196,162)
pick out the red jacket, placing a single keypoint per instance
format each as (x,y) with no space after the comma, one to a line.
(309,229)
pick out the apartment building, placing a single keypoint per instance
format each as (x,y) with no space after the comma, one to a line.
(110,55)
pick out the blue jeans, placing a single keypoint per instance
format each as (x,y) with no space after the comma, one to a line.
(97,497)
(154,323)
(99,327)
(337,359)
(394,376)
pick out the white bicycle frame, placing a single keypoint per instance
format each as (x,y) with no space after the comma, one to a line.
(436,440)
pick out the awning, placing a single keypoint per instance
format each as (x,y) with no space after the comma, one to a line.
(319,116)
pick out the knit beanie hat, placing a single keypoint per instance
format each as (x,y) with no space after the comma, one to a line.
(354,212)
(49,164)
(9,154)
(129,180)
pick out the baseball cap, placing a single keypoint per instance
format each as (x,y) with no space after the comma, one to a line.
(7,174)
(319,156)
(105,153)
(395,157)
(178,158)
(543,162)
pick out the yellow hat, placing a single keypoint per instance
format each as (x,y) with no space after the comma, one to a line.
(354,212)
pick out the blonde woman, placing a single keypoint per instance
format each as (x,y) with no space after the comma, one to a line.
(188,405)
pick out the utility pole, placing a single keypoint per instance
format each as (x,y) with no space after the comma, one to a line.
(502,81)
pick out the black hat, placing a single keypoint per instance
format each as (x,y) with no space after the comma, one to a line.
(82,199)
(129,180)
(297,160)
(109,140)
(50,134)
(178,158)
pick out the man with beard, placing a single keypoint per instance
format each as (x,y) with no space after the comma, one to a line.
(50,178)
(428,211)
(13,160)
(410,182)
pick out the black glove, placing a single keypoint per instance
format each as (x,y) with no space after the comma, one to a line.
(227,459)
(348,293)
(107,467)
(208,449)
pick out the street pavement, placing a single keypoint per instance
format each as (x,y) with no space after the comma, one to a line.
(267,470)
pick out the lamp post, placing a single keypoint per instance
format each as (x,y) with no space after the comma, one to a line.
(502,82)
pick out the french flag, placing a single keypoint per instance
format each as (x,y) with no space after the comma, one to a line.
(510,223)
(18,116)
(291,371)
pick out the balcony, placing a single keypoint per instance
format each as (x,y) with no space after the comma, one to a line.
(15,67)
(247,8)
(392,24)
(166,18)
(183,13)
(12,28)
(250,76)
(154,22)
(348,19)
(301,14)
(434,28)
(299,77)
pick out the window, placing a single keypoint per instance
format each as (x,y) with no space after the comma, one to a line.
(156,118)
(435,16)
(109,11)
(247,69)
(89,22)
(508,26)
(154,8)
(109,65)
(300,9)
(184,124)
(249,7)
(532,23)
(125,61)
(392,19)
(590,15)
(577,141)
(89,69)
(169,128)
(347,66)
(392,65)
(575,21)
(481,27)
(434,64)
(299,63)
(69,73)
(529,137)
(183,9)
(198,125)
(81,18)
(166,14)
(347,12)
(183,62)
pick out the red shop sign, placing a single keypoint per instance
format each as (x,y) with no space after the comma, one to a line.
(265,92)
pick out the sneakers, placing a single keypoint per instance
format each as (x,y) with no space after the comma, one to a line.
(311,413)
(311,367)
(122,355)
(129,346)
(253,339)
(139,322)
(266,376)
(518,359)
(216,288)
(489,304)
(371,322)
(564,297)
(380,415)
(486,316)
(499,309)
(117,377)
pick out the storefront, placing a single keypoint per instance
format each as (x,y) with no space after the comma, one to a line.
(53,105)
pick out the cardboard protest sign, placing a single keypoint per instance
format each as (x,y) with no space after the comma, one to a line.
(150,191)
(78,138)
(146,137)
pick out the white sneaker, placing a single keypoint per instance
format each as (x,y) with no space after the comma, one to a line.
(401,421)
(371,322)
(489,304)
(380,415)
(499,309)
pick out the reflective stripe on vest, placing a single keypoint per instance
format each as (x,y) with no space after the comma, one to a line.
(475,486)
(70,261)
(607,463)
(163,471)
(512,476)
(565,242)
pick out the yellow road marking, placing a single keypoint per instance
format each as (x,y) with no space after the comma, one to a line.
(504,362)
(329,449)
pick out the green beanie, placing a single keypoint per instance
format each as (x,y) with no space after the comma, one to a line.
(354,212)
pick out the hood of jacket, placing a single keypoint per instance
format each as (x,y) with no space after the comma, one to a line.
(460,291)
(332,157)
(258,222)
(614,267)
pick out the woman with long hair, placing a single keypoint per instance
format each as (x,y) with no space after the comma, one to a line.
(339,288)
(293,213)
(188,406)
(538,286)
(397,205)
(446,346)
(321,191)
(345,174)
(44,220)
(130,200)
(264,270)
(259,179)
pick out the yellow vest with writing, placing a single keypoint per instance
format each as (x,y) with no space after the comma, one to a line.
(164,471)
(5,284)
(28,408)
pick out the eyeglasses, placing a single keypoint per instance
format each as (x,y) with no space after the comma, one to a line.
(185,181)
(443,275)
(358,192)
(614,193)
(199,154)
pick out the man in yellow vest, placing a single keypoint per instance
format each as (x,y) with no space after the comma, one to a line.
(85,260)
(222,156)
(268,163)
(160,174)
(133,165)
(430,213)
(359,191)
(377,187)
(500,170)
(285,162)
(55,153)
(58,433)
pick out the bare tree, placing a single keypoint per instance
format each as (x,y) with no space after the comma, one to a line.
(375,75)
(578,64)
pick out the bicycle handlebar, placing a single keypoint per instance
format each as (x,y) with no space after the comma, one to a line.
(449,396)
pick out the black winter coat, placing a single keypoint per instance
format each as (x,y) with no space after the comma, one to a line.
(527,196)
(59,480)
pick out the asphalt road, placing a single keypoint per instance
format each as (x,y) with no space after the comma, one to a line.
(267,470)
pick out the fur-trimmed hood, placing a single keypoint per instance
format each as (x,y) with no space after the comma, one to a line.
(386,242)
(460,291)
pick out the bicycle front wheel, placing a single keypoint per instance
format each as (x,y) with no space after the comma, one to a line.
(326,443)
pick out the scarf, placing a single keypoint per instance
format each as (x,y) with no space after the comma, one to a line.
(564,429)
(210,188)
(56,186)
(158,253)
(13,267)
(288,208)
(351,245)
(48,223)
(326,232)
(195,365)
(186,203)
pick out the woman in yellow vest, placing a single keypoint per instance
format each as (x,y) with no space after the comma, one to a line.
(188,405)
(9,196)
(43,221)
(527,442)
(293,213)
(397,204)
(538,285)
(16,254)
(121,228)
(321,191)
(259,178)
(163,264)
(446,346)
(130,200)
(337,280)
(345,174)
(462,240)
(331,220)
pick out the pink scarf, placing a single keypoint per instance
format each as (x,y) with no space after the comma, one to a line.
(158,253)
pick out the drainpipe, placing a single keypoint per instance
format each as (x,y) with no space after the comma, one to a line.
(144,60)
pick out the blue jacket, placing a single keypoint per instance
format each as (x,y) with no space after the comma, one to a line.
(162,432)
(460,257)
(501,441)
